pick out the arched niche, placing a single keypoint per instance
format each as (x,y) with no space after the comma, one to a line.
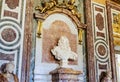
(51,26)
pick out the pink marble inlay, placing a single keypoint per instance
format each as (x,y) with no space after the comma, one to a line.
(8,34)
(12,4)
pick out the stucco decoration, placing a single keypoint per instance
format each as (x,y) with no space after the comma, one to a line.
(63,51)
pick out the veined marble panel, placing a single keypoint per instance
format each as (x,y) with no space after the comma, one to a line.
(101,39)
(11,32)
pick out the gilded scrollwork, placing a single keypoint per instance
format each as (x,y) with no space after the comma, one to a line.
(46,6)
(39,28)
(116,23)
(70,6)
(66,4)
(67,7)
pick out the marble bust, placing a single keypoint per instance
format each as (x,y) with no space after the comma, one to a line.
(7,73)
(63,51)
(107,76)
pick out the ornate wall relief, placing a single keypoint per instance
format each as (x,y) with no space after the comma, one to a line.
(53,22)
(100,40)
(11,32)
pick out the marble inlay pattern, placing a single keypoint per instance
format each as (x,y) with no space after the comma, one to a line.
(12,18)
(99,24)
(101,50)
(12,4)
(101,40)
(8,34)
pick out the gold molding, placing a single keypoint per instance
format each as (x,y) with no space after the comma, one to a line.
(39,28)
(67,7)
(80,36)
(116,28)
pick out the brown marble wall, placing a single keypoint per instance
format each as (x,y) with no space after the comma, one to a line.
(27,49)
(89,42)
(9,57)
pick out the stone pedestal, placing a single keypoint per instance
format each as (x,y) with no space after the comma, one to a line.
(65,75)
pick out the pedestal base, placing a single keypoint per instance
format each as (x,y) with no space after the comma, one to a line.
(65,75)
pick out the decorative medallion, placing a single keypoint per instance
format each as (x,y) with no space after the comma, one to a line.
(101,50)
(12,4)
(99,24)
(8,35)
(49,6)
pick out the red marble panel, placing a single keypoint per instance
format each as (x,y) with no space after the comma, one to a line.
(101,34)
(101,50)
(99,21)
(12,4)
(9,57)
(11,14)
(51,37)
(8,34)
(102,66)
(98,9)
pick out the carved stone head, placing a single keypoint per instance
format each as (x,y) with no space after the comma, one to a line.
(9,67)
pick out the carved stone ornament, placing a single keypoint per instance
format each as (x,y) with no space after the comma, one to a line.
(63,52)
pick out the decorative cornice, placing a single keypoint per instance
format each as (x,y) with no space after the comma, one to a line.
(43,16)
